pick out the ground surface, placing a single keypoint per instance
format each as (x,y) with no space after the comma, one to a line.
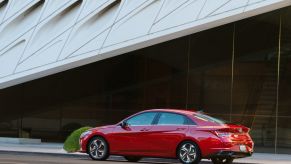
(30,158)
(34,158)
(52,153)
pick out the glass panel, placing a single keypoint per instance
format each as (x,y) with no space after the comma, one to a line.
(255,76)
(284,127)
(255,67)
(171,119)
(44,125)
(262,132)
(207,118)
(8,127)
(124,86)
(9,117)
(284,135)
(210,70)
(165,74)
(142,119)
(86,111)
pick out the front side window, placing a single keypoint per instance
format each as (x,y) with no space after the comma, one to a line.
(171,119)
(142,119)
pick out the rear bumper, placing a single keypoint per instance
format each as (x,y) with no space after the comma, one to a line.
(231,154)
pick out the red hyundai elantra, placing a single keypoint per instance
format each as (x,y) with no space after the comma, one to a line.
(186,135)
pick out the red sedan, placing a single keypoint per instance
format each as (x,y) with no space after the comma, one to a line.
(186,135)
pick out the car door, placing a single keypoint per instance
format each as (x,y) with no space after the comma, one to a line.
(133,139)
(169,131)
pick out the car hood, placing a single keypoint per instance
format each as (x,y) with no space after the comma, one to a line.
(102,127)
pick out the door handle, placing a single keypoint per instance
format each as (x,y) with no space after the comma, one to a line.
(180,129)
(144,130)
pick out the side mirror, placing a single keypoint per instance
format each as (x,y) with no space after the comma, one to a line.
(123,124)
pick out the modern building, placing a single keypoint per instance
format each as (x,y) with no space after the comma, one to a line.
(71,63)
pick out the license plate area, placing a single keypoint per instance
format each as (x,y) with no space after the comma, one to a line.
(243,148)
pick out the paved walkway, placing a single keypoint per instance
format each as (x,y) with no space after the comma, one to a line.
(57,149)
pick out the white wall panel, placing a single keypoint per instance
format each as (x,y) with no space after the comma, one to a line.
(24,22)
(10,56)
(184,13)
(238,5)
(170,6)
(92,27)
(93,5)
(56,6)
(211,6)
(52,28)
(129,6)
(135,24)
(92,46)
(48,54)
(43,37)
(3,8)
(16,7)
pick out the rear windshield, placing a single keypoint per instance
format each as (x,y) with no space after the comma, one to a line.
(205,117)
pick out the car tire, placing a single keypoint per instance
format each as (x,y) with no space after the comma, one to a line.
(188,152)
(132,158)
(98,148)
(222,160)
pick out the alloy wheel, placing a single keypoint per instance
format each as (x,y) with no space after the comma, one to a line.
(189,153)
(98,149)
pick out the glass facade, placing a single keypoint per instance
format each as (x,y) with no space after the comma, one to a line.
(239,72)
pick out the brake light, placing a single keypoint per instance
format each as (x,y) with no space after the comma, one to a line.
(222,134)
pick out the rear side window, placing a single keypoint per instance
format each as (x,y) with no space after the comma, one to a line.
(205,117)
(172,119)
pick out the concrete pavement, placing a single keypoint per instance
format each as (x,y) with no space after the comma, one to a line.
(54,152)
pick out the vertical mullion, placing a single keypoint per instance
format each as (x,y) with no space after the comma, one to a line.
(278,82)
(232,71)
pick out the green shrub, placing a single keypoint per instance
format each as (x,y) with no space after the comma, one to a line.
(72,142)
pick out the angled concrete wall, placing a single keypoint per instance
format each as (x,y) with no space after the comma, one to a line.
(43,37)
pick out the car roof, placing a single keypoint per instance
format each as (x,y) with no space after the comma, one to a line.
(179,111)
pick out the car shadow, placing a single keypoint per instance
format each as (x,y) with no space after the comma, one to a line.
(159,161)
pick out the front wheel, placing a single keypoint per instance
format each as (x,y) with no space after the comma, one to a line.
(189,153)
(132,158)
(98,148)
(222,160)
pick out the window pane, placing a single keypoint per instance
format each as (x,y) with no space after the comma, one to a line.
(255,78)
(142,119)
(209,118)
(255,65)
(165,74)
(210,70)
(262,131)
(284,127)
(171,119)
(284,135)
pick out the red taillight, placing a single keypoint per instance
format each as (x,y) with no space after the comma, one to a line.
(223,134)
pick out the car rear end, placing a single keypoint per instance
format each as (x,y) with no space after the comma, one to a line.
(235,141)
(223,139)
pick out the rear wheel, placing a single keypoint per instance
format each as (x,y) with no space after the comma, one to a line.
(132,158)
(98,148)
(222,160)
(189,153)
